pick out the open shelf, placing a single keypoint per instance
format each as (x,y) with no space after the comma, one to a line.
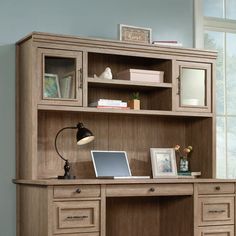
(92,82)
(43,107)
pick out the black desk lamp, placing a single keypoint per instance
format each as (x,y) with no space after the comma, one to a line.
(83,136)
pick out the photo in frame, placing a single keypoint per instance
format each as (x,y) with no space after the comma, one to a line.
(135,34)
(51,88)
(163,163)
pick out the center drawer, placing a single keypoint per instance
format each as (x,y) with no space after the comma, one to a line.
(149,190)
(215,210)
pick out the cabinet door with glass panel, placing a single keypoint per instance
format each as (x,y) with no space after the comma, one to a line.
(60,77)
(192,87)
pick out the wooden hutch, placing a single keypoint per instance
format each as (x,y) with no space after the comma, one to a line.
(91,207)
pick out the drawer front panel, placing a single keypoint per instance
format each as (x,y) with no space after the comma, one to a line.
(216,188)
(76,216)
(216,231)
(81,234)
(76,191)
(216,210)
(149,190)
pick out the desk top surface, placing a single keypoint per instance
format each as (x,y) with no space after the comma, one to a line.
(49,182)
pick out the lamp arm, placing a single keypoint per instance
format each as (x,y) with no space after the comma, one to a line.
(55,141)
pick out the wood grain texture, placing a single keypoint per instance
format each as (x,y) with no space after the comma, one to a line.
(136,135)
(76,217)
(133,216)
(216,210)
(149,190)
(25,124)
(47,206)
(216,188)
(79,191)
(34,204)
(216,230)
(176,216)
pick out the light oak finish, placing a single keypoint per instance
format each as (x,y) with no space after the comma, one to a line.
(79,191)
(149,190)
(216,210)
(34,206)
(92,207)
(216,231)
(76,217)
(208,81)
(216,188)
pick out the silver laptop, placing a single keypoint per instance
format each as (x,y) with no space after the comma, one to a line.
(112,164)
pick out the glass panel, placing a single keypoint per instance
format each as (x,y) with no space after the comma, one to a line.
(213,8)
(220,148)
(231,9)
(215,41)
(231,73)
(59,77)
(231,147)
(193,87)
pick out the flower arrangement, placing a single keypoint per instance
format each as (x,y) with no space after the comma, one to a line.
(185,152)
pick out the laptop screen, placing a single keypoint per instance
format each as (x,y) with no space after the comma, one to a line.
(110,163)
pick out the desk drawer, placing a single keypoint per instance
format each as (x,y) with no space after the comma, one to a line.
(216,210)
(76,217)
(149,190)
(82,234)
(216,230)
(215,188)
(76,191)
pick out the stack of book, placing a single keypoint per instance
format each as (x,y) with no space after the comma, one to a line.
(189,174)
(109,103)
(170,43)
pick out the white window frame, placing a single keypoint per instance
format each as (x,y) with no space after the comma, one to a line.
(201,24)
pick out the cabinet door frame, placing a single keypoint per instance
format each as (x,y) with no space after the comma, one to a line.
(78,56)
(176,87)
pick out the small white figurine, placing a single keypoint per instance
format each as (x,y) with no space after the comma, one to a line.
(106,74)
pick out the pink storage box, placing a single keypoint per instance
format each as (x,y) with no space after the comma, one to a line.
(141,75)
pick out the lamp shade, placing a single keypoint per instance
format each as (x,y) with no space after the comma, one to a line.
(83,135)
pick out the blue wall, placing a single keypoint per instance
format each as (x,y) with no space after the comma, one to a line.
(169,20)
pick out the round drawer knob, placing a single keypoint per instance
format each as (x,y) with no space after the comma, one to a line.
(152,189)
(217,187)
(78,190)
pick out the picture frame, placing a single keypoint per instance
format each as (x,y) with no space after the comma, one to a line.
(51,87)
(163,162)
(135,34)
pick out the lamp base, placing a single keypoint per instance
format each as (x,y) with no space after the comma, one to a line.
(66,177)
(67,174)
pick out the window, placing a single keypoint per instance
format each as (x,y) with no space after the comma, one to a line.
(215,28)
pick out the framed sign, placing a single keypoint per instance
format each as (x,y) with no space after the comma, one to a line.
(135,34)
(163,163)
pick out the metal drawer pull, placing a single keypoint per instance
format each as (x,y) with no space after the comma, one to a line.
(217,188)
(76,217)
(152,189)
(217,211)
(78,190)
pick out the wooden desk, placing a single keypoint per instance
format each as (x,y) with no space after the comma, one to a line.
(173,207)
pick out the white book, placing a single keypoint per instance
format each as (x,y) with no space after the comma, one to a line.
(168,44)
(115,103)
